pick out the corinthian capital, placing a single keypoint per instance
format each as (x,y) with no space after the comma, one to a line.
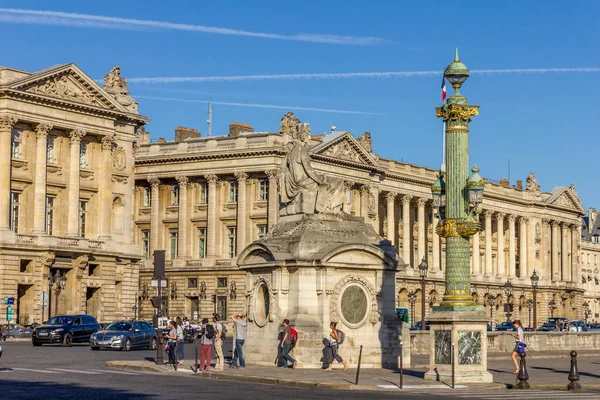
(488,214)
(406,199)
(182,180)
(7,122)
(242,177)
(42,130)
(391,196)
(421,201)
(76,135)
(154,181)
(211,178)
(271,174)
(523,220)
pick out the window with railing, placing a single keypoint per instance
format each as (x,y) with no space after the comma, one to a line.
(173,233)
(83,155)
(83,210)
(233,192)
(203,193)
(15,210)
(50,201)
(175,195)
(51,149)
(146,197)
(201,242)
(146,243)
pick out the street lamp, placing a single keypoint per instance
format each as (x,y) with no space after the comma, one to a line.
(59,282)
(529,305)
(534,283)
(552,305)
(586,310)
(412,298)
(508,287)
(423,272)
(492,303)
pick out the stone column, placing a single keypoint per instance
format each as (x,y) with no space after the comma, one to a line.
(511,247)
(422,232)
(154,214)
(73,194)
(6,124)
(211,232)
(406,229)
(545,272)
(241,177)
(523,248)
(489,269)
(182,223)
(364,202)
(575,253)
(39,199)
(273,210)
(347,206)
(476,267)
(555,244)
(391,220)
(500,269)
(532,265)
(565,267)
(104,187)
(436,264)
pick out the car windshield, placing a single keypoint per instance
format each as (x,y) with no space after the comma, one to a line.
(119,326)
(506,323)
(60,320)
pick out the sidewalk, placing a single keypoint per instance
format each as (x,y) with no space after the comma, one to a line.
(545,373)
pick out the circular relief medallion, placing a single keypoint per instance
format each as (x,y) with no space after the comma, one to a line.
(261,305)
(119,161)
(354,305)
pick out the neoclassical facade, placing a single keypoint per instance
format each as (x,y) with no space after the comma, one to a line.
(66,194)
(205,199)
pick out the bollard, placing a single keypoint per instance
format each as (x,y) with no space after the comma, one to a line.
(176,356)
(574,374)
(401,367)
(358,367)
(523,376)
(452,361)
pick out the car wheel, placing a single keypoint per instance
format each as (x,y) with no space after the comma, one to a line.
(36,344)
(153,344)
(127,345)
(95,348)
(67,340)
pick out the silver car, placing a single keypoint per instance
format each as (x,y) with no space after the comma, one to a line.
(125,335)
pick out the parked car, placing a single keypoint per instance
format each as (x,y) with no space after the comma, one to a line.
(125,335)
(66,330)
(417,326)
(594,326)
(578,326)
(506,326)
(489,328)
(548,327)
(16,331)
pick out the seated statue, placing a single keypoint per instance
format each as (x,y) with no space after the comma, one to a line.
(302,190)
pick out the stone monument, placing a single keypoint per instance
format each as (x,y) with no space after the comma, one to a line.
(319,265)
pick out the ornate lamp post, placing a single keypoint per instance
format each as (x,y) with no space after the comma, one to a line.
(534,283)
(59,282)
(412,298)
(508,287)
(423,272)
(492,303)
(586,310)
(529,305)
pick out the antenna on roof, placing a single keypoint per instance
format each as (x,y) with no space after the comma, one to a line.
(209,119)
(333,128)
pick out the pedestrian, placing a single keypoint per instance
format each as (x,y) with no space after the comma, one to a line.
(279,361)
(335,339)
(240,337)
(171,337)
(180,340)
(206,343)
(286,345)
(519,343)
(218,342)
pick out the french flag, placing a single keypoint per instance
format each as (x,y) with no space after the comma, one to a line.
(443,88)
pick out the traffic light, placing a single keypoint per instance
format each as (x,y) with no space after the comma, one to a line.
(214,298)
(155,301)
(159,264)
(9,312)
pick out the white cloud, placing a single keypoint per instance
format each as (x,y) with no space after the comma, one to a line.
(43,17)
(227,103)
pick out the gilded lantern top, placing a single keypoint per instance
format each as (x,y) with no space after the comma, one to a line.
(456,72)
(475,180)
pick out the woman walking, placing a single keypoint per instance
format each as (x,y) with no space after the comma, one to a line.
(519,345)
(180,340)
(171,338)
(334,338)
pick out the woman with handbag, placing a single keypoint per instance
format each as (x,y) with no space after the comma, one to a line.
(519,345)
(171,338)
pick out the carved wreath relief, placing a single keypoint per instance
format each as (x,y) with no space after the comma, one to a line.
(354,302)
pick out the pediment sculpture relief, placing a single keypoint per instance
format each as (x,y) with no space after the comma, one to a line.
(344,151)
(116,85)
(64,87)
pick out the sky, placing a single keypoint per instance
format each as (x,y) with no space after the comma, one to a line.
(361,66)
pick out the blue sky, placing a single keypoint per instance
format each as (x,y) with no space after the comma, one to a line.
(545,122)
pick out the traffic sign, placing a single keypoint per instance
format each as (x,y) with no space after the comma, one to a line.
(11,300)
(9,313)
(6,300)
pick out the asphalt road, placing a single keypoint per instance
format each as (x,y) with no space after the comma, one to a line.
(55,372)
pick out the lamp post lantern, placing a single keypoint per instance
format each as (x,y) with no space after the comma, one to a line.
(423,272)
(492,303)
(508,288)
(529,305)
(412,298)
(534,283)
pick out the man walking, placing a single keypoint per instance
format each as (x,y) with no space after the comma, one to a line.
(286,344)
(240,337)
(218,343)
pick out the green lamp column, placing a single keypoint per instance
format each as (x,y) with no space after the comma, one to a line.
(462,194)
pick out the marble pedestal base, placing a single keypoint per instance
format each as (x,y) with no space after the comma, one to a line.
(466,329)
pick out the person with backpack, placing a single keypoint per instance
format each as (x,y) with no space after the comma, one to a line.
(180,340)
(336,338)
(221,335)
(206,343)
(290,336)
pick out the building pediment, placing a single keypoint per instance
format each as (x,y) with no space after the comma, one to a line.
(566,197)
(68,83)
(343,146)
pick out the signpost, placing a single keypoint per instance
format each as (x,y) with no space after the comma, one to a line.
(9,312)
(6,300)
(159,277)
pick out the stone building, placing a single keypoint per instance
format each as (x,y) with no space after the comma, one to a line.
(204,199)
(590,264)
(66,191)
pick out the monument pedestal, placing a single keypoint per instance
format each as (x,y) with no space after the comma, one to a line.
(466,328)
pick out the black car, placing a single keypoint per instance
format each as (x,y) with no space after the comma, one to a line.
(125,335)
(506,326)
(66,330)
(417,326)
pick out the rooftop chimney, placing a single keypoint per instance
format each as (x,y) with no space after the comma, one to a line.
(182,133)
(592,217)
(504,182)
(235,129)
(520,184)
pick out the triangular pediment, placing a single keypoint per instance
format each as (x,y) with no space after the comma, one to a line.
(69,83)
(566,197)
(343,146)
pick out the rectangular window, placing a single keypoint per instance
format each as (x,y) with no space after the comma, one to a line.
(221,282)
(147,197)
(201,242)
(233,191)
(231,241)
(222,307)
(173,240)
(83,155)
(146,243)
(16,143)
(15,210)
(83,209)
(262,230)
(51,149)
(203,193)
(192,283)
(175,195)
(50,200)
(263,189)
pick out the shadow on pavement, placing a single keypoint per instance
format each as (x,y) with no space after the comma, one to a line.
(41,390)
(562,371)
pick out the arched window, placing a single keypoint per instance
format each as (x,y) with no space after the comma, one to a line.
(117,216)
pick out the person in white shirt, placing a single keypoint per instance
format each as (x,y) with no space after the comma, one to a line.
(519,339)
(218,342)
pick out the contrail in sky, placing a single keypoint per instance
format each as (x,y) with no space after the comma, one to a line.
(349,75)
(43,17)
(226,103)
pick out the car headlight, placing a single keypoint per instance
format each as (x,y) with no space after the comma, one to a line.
(93,336)
(59,330)
(116,338)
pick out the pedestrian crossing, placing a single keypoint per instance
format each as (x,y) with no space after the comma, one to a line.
(514,394)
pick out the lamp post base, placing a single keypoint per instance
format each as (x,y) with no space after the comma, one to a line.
(458,345)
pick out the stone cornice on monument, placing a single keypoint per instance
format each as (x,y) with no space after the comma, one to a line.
(341,148)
